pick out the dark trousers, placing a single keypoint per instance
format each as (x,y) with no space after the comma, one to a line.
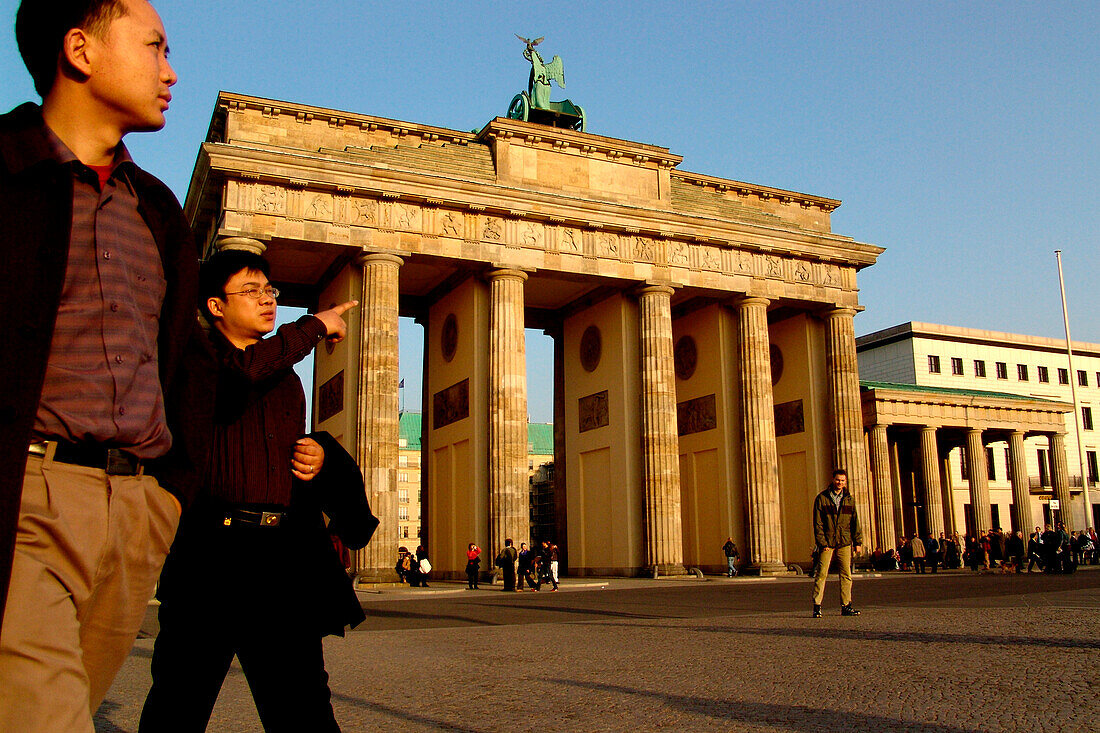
(215,604)
(918,564)
(509,576)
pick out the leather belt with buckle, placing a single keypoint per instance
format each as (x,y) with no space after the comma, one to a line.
(254,517)
(113,461)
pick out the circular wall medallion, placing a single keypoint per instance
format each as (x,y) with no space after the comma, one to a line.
(591,348)
(777,363)
(685,357)
(450,337)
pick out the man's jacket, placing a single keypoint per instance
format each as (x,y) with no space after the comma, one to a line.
(835,527)
(35,220)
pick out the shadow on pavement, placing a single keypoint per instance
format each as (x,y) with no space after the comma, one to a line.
(394,712)
(794,717)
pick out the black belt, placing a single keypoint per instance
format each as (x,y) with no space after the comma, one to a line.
(231,516)
(113,461)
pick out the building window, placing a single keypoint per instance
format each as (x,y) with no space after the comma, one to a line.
(1021,372)
(403,496)
(402,461)
(1044,467)
(933,364)
(1063,376)
(1086,418)
(1002,370)
(402,443)
(1044,374)
(979,368)
(403,477)
(405,532)
(964,465)
(990,464)
(418,499)
(403,513)
(1082,378)
(1094,470)
(956,366)
(1098,379)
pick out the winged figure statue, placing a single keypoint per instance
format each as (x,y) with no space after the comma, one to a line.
(538,85)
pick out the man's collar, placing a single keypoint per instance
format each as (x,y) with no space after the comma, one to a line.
(38,144)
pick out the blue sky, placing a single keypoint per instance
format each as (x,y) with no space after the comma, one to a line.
(963,137)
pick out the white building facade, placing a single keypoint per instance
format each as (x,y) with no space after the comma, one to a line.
(978,361)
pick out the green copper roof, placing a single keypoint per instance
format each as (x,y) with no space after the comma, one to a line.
(540,436)
(918,388)
(410,430)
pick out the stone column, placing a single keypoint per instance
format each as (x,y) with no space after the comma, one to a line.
(765,529)
(1061,477)
(930,476)
(1021,491)
(509,488)
(895,492)
(379,406)
(849,445)
(661,447)
(949,525)
(979,480)
(880,474)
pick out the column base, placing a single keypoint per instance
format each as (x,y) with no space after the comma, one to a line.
(670,569)
(376,575)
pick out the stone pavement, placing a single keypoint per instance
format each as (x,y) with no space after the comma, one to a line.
(947,653)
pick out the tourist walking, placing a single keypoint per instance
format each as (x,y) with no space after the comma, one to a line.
(730,549)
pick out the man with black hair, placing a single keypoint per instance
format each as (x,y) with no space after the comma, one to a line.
(99,419)
(259,500)
(836,530)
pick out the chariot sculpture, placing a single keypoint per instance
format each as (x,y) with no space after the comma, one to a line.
(534,105)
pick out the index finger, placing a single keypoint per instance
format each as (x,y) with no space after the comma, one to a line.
(344,307)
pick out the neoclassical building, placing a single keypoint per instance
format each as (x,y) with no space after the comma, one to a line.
(976,429)
(705,359)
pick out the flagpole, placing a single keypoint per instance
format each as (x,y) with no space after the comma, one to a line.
(1076,407)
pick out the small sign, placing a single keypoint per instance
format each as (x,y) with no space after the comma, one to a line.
(1055,504)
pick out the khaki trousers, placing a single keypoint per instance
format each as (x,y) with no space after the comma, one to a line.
(89,548)
(844,568)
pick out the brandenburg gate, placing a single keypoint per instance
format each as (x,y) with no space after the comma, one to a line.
(704,363)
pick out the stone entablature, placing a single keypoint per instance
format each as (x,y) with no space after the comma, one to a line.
(294,172)
(885,404)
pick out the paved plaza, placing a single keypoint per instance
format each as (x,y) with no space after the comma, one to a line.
(949,653)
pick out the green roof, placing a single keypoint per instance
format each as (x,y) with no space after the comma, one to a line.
(540,436)
(951,391)
(410,430)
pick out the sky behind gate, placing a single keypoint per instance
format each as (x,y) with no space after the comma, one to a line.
(962,137)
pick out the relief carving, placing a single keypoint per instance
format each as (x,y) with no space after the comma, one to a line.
(451,224)
(775,267)
(789,419)
(319,208)
(643,249)
(710,259)
(364,212)
(571,240)
(531,234)
(271,200)
(802,272)
(593,412)
(591,348)
(451,405)
(697,415)
(678,253)
(493,229)
(407,217)
(743,263)
(685,357)
(608,244)
(331,397)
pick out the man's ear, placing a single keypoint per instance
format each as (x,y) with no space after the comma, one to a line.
(75,54)
(215,307)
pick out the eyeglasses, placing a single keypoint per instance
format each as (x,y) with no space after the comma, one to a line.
(257,293)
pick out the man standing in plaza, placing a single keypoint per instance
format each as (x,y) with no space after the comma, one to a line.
(836,531)
(97,421)
(730,550)
(508,557)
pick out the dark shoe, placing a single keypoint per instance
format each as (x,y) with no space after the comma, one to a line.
(848,611)
(817,611)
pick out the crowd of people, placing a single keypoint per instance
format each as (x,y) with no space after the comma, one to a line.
(526,566)
(1049,550)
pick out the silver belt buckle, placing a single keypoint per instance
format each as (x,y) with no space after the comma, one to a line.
(271,519)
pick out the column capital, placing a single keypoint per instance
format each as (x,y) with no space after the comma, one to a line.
(369,258)
(841,311)
(653,289)
(505,273)
(244,244)
(751,300)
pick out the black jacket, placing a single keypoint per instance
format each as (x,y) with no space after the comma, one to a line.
(35,220)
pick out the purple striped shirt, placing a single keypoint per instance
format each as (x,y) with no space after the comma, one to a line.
(102,380)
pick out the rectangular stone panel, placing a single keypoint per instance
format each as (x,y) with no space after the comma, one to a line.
(331,397)
(789,418)
(451,405)
(593,411)
(697,415)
